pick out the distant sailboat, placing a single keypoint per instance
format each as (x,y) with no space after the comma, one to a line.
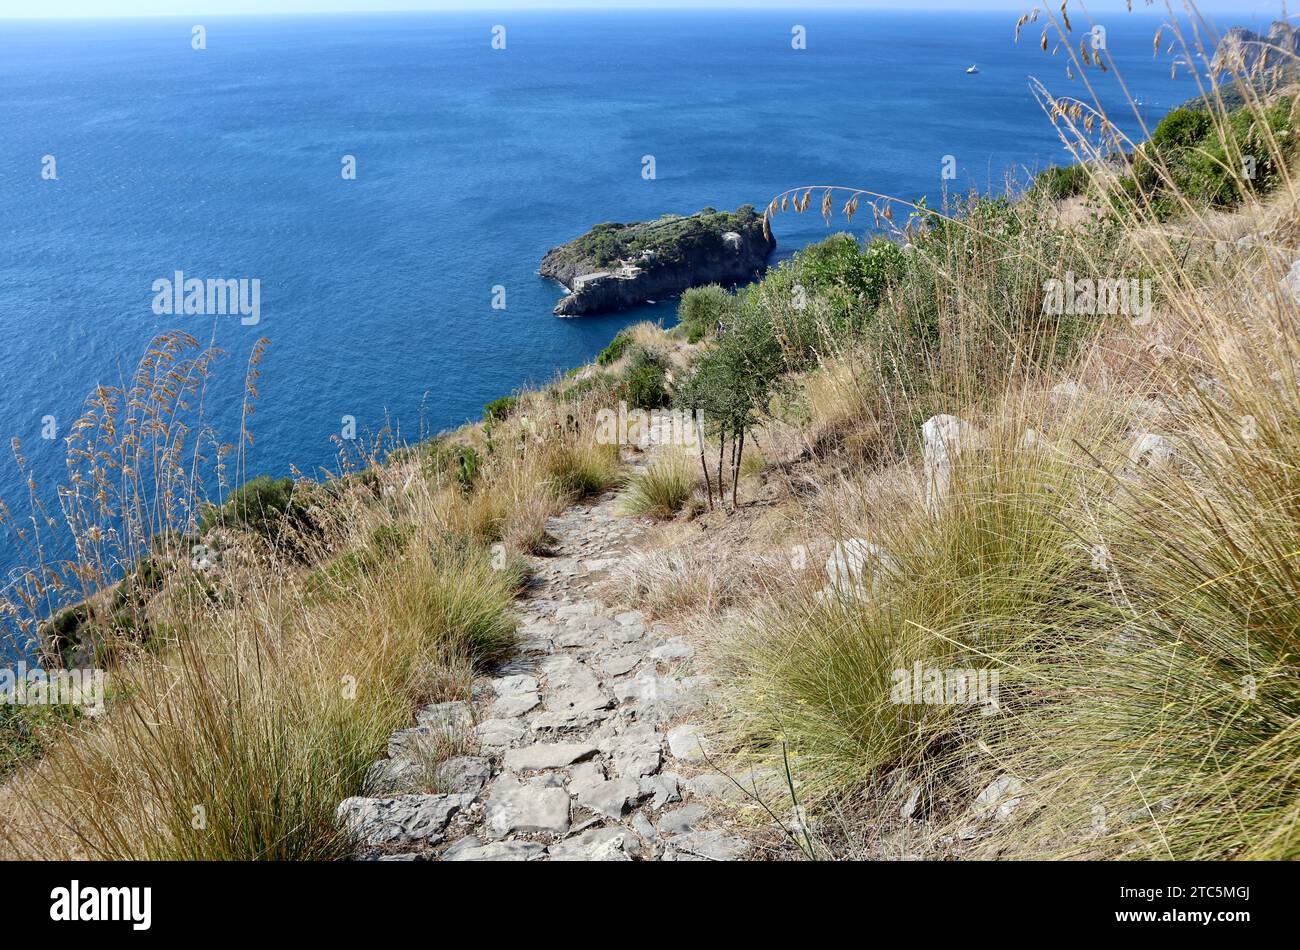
(972,70)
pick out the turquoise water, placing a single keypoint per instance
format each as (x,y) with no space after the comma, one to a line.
(376,293)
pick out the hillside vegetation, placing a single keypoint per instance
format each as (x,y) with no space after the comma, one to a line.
(914,461)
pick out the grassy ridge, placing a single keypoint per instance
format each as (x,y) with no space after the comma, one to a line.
(265,690)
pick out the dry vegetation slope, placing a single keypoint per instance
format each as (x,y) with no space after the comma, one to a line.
(1118,541)
(257,680)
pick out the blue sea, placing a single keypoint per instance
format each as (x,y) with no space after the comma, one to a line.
(376,293)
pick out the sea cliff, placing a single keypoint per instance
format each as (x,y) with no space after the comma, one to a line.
(616,266)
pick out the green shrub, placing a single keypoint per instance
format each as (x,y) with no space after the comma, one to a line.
(390,540)
(264,505)
(593,383)
(1192,158)
(27,730)
(498,410)
(617,347)
(646,383)
(444,459)
(1063,181)
(701,310)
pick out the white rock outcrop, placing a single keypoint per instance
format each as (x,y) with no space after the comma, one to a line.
(945,438)
(856,565)
(1151,450)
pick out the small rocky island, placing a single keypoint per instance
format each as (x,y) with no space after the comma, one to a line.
(616,266)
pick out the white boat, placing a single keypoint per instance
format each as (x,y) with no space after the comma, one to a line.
(973,69)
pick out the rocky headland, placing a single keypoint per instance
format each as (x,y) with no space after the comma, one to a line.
(1246,51)
(616,266)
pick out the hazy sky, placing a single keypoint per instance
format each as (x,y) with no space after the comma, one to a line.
(115,8)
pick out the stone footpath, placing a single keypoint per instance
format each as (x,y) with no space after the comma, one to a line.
(584,745)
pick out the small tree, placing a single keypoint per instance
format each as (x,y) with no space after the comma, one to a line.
(702,309)
(731,387)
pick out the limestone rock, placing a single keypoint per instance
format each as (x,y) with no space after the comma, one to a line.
(515,705)
(686,744)
(500,733)
(662,789)
(453,717)
(567,720)
(704,846)
(635,754)
(655,698)
(612,798)
(1151,451)
(679,821)
(464,774)
(1067,392)
(534,758)
(514,685)
(389,777)
(471,848)
(407,819)
(857,564)
(598,844)
(945,439)
(1000,797)
(618,665)
(514,808)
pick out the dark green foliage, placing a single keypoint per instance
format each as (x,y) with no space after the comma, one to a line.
(266,506)
(80,634)
(67,622)
(669,240)
(781,325)
(646,384)
(833,285)
(1063,181)
(366,480)
(1204,161)
(26,732)
(452,460)
(500,409)
(1215,172)
(390,540)
(702,309)
(1180,130)
(617,347)
(134,589)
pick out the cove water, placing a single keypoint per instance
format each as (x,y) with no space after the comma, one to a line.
(376,293)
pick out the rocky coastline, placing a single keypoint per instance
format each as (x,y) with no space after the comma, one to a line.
(617,266)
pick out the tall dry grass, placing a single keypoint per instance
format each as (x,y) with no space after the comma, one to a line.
(1140,611)
(260,695)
